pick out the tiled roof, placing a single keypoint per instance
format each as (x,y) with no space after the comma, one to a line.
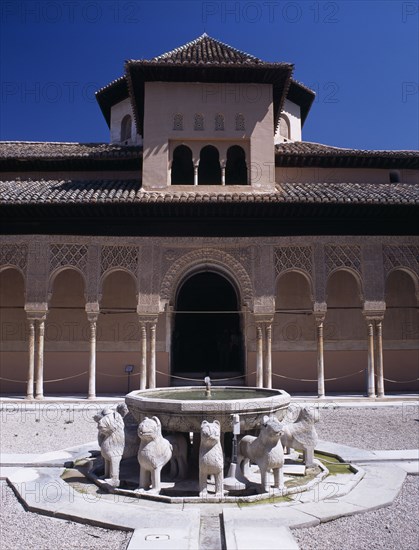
(305,153)
(61,150)
(205,49)
(129,191)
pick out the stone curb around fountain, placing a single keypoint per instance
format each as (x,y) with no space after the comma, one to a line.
(42,490)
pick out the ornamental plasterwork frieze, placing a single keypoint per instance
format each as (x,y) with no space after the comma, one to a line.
(208,257)
(401,256)
(343,256)
(125,257)
(74,255)
(15,255)
(294,258)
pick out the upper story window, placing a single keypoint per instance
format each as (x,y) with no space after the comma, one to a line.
(182,166)
(219,121)
(198,121)
(178,121)
(126,128)
(209,171)
(284,127)
(240,124)
(236,168)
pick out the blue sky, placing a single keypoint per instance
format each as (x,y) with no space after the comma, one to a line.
(360,57)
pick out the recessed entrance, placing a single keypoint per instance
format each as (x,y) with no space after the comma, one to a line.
(207,337)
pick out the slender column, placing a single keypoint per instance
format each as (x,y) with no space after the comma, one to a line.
(92,360)
(152,368)
(380,368)
(143,365)
(223,175)
(31,369)
(39,388)
(268,356)
(259,356)
(320,357)
(371,384)
(195,175)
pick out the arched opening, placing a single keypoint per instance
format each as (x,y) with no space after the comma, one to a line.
(400,332)
(236,168)
(126,128)
(66,335)
(207,337)
(118,333)
(345,334)
(293,342)
(182,166)
(284,127)
(209,171)
(14,354)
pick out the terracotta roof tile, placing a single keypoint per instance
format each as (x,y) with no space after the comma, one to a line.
(129,191)
(62,150)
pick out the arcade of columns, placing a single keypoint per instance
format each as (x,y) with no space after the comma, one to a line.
(168,265)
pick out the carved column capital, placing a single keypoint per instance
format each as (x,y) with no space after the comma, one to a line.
(92,311)
(319,312)
(374,311)
(36,311)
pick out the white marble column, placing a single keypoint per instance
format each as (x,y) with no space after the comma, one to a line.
(39,385)
(259,356)
(380,366)
(268,356)
(31,367)
(223,175)
(195,174)
(371,373)
(92,360)
(152,364)
(143,364)
(320,356)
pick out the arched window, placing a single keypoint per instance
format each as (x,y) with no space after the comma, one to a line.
(240,125)
(219,121)
(395,176)
(182,166)
(126,128)
(178,121)
(284,127)
(209,171)
(236,168)
(198,121)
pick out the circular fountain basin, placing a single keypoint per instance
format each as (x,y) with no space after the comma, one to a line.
(182,409)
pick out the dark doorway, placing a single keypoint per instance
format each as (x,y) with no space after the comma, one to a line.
(207,337)
(236,169)
(209,171)
(182,166)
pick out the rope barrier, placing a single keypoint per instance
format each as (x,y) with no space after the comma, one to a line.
(118,375)
(197,379)
(315,379)
(47,381)
(400,381)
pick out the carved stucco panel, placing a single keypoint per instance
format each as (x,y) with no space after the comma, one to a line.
(15,255)
(403,256)
(205,257)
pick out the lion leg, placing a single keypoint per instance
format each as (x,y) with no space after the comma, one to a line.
(219,480)
(155,480)
(144,478)
(114,471)
(278,478)
(309,456)
(203,491)
(107,468)
(264,480)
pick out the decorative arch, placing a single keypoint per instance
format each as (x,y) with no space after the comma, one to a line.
(352,272)
(14,256)
(126,124)
(209,171)
(56,272)
(284,127)
(116,269)
(236,167)
(215,260)
(182,171)
(298,271)
(408,271)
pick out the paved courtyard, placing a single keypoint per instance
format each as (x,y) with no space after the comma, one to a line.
(36,428)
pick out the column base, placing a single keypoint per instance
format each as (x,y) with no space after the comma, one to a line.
(370,395)
(381,394)
(39,396)
(30,396)
(90,397)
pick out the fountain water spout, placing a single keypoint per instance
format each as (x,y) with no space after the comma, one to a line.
(207,382)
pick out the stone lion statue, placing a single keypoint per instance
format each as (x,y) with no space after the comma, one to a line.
(132,442)
(266,451)
(211,459)
(111,438)
(154,453)
(302,435)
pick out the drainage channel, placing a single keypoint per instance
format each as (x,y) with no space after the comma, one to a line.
(211,532)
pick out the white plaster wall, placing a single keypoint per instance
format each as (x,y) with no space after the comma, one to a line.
(164,99)
(293,113)
(118,111)
(341,175)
